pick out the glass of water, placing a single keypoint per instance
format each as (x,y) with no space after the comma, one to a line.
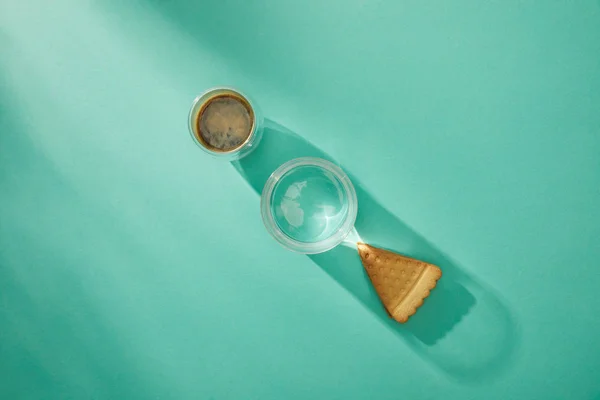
(309,205)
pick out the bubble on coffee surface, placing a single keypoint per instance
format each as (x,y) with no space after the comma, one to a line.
(225,123)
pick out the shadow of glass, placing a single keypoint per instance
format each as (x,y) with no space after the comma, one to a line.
(458,312)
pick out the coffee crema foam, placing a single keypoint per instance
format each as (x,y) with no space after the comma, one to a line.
(224,122)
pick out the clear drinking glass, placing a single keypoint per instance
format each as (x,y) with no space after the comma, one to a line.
(228,121)
(309,205)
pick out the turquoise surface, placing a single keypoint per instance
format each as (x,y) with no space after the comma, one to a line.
(133,266)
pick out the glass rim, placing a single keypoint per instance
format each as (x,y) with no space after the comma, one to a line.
(309,247)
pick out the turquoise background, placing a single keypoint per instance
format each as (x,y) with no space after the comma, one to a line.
(133,266)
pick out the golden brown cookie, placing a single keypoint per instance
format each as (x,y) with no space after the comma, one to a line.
(402,283)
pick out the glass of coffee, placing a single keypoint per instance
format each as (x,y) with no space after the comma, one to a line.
(225,123)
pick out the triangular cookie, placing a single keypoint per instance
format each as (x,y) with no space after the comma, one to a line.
(402,283)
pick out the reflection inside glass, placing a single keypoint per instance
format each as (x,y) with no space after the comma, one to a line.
(309,204)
